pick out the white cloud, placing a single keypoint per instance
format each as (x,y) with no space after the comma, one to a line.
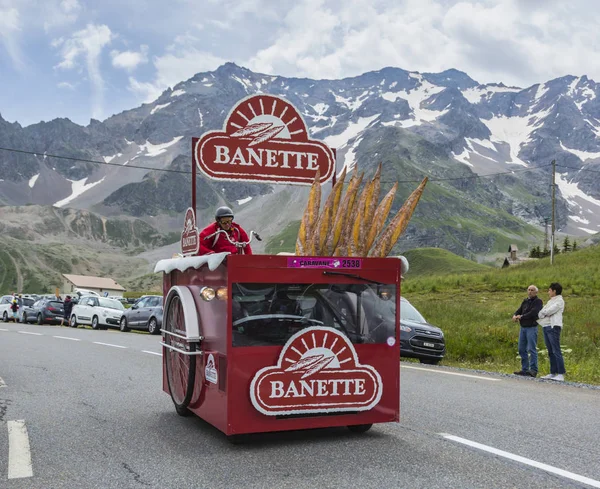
(66,85)
(88,44)
(10,26)
(515,41)
(129,60)
(183,62)
(146,91)
(58,13)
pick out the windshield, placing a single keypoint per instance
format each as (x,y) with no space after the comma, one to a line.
(269,314)
(110,303)
(409,313)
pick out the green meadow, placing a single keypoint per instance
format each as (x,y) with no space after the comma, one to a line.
(474,305)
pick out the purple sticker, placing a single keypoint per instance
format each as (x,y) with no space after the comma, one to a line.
(324,262)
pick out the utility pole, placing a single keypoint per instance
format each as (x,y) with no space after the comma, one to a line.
(546,222)
(553,211)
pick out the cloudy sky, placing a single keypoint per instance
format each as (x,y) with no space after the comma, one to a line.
(93,58)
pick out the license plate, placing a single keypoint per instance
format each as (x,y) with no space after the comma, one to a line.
(429,345)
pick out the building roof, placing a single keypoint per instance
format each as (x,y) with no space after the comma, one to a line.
(87,282)
(513,247)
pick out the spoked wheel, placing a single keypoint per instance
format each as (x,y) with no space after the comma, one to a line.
(181,369)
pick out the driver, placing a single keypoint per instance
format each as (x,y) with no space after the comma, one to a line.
(219,243)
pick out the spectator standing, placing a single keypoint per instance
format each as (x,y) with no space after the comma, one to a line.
(551,320)
(14,307)
(68,307)
(527,316)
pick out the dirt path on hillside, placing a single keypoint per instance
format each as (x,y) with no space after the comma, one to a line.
(19,274)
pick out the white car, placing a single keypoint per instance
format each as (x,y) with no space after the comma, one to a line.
(82,292)
(98,312)
(5,311)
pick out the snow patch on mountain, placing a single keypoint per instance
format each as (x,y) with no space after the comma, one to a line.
(463,157)
(570,190)
(243,201)
(476,94)
(160,106)
(177,93)
(32,180)
(348,102)
(338,141)
(582,155)
(415,98)
(108,159)
(580,220)
(515,131)
(78,187)
(157,149)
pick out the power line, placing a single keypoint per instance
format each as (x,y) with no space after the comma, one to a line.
(187,172)
(579,169)
(83,160)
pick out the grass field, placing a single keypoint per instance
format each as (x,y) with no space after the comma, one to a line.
(436,261)
(474,309)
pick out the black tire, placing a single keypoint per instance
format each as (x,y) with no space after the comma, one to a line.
(40,319)
(430,361)
(180,369)
(182,411)
(153,326)
(73,322)
(237,439)
(95,323)
(360,428)
(5,317)
(123,325)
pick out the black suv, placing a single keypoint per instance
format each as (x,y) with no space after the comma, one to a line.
(418,338)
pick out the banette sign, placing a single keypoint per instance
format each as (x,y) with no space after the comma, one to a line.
(190,243)
(264,139)
(317,372)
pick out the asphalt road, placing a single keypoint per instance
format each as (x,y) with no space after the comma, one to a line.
(95,416)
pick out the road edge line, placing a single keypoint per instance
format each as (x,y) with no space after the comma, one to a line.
(19,450)
(517,458)
(491,379)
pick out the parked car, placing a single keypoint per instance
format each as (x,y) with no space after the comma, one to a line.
(418,338)
(5,311)
(146,314)
(81,292)
(98,312)
(28,303)
(43,311)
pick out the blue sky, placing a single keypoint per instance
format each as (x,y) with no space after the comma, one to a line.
(81,59)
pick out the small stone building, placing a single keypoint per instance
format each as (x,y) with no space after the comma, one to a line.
(99,285)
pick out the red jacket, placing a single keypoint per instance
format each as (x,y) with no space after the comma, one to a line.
(219,244)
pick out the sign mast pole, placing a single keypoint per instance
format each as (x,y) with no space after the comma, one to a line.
(193,181)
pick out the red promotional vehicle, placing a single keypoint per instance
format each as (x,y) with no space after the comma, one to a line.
(262,343)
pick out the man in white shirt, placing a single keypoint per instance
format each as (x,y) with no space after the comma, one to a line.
(551,320)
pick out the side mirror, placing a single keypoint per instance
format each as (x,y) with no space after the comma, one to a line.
(134,307)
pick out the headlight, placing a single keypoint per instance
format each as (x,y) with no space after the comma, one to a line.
(406,329)
(207,293)
(222,293)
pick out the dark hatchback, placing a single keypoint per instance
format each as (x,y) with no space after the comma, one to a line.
(418,338)
(44,311)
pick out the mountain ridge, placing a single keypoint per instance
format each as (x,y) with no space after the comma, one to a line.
(437,122)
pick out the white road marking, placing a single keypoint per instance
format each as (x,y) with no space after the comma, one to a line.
(66,338)
(108,344)
(28,332)
(2,383)
(19,454)
(152,353)
(526,461)
(452,373)
(2,329)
